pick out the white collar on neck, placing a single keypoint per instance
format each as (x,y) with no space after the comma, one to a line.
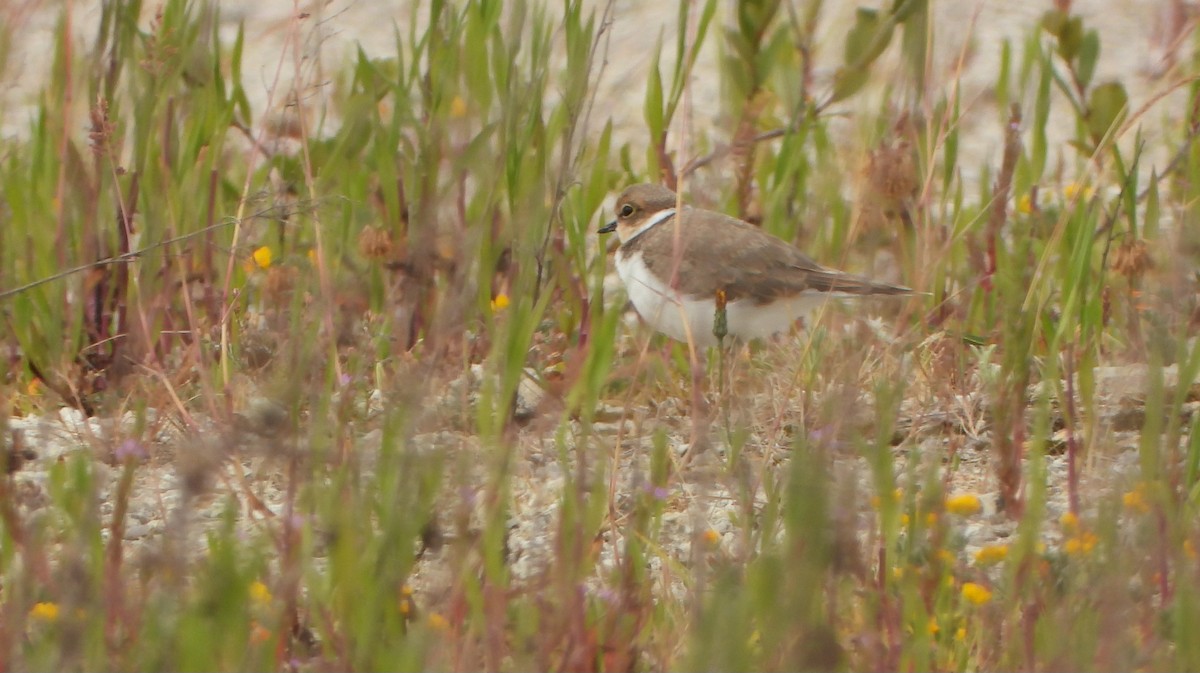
(658,217)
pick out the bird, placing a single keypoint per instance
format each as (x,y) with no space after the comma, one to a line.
(679,263)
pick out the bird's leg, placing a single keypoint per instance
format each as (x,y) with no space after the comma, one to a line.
(700,412)
(700,419)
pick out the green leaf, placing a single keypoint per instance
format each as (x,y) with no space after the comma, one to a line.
(866,22)
(1089,53)
(475,51)
(847,81)
(754,16)
(1106,108)
(869,37)
(950,156)
(1041,116)
(1067,30)
(626,161)
(1054,21)
(903,10)
(1130,189)
(1153,208)
(653,107)
(683,67)
(914,42)
(1070,40)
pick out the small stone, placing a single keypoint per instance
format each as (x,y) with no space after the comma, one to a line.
(612,428)
(136,532)
(266,418)
(529,397)
(608,413)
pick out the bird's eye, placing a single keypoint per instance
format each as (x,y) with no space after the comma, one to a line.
(626,210)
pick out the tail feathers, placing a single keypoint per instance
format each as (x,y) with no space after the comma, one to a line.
(844,283)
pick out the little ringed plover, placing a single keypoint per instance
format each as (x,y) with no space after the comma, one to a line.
(675,263)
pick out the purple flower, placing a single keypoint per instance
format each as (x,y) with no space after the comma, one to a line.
(131,449)
(659,493)
(468,495)
(606,595)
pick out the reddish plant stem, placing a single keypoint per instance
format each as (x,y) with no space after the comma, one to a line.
(1001,192)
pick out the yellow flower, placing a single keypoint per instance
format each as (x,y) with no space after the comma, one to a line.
(991,554)
(406,603)
(1025,204)
(1069,521)
(964,505)
(259,592)
(438,622)
(895,496)
(458,108)
(931,519)
(976,594)
(961,634)
(933,626)
(1072,189)
(44,612)
(35,387)
(1081,544)
(262,257)
(1136,499)
(905,520)
(711,536)
(500,302)
(945,556)
(1189,549)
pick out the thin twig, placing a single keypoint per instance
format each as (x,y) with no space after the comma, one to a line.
(125,258)
(723,151)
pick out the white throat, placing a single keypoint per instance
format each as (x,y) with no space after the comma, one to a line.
(658,217)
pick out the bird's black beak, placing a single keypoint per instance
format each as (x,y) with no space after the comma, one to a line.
(608,228)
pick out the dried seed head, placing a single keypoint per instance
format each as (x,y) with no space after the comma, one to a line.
(279,283)
(101,131)
(1132,259)
(375,243)
(891,179)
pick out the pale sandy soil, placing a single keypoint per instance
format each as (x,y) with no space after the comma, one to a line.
(1132,32)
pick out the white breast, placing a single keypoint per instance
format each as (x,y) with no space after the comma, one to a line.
(679,316)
